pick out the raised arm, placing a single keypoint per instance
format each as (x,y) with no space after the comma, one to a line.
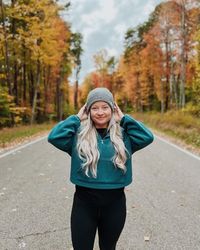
(63,134)
(140,136)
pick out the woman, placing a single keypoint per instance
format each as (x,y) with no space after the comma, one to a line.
(100,140)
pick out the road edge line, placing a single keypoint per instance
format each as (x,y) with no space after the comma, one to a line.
(22,146)
(177,147)
(42,138)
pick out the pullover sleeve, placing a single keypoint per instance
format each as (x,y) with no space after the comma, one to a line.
(140,136)
(63,134)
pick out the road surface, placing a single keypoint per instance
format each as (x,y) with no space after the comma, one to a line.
(163,202)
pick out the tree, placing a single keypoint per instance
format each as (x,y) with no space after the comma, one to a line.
(76,51)
(105,67)
(39,62)
(5,49)
(194,105)
(186,26)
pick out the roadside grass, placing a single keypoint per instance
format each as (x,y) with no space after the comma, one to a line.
(176,124)
(10,136)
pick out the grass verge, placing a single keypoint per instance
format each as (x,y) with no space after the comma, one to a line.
(178,125)
(12,136)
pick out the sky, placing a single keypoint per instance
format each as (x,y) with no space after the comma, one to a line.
(103,24)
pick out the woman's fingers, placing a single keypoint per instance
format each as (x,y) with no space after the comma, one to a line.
(82,113)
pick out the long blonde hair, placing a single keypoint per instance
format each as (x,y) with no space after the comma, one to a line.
(88,149)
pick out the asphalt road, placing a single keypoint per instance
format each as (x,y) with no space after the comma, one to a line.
(163,203)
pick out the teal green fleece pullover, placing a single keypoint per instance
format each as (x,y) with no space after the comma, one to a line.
(135,136)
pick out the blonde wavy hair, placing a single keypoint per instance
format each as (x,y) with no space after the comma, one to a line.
(88,149)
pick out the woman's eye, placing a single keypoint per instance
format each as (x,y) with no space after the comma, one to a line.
(102,108)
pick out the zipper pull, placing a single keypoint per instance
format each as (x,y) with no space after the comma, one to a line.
(101,141)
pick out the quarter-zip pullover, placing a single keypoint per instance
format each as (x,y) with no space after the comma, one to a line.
(135,136)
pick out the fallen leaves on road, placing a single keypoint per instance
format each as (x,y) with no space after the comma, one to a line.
(146,238)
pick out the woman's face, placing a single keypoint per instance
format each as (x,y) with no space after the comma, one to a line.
(101,114)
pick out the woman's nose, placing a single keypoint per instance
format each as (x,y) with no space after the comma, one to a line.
(100,111)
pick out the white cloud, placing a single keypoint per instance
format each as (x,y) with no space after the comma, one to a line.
(106,12)
(149,7)
(103,24)
(120,28)
(111,51)
(90,19)
(87,32)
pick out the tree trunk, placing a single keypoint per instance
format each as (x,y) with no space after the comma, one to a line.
(24,76)
(138,94)
(76,95)
(76,89)
(176,91)
(35,93)
(47,72)
(58,99)
(162,96)
(15,87)
(183,56)
(7,63)
(45,92)
(31,87)
(15,66)
(166,89)
(171,81)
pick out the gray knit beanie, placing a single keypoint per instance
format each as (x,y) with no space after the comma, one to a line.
(100,94)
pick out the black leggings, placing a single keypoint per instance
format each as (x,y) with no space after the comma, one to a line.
(100,209)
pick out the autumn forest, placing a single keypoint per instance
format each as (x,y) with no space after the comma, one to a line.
(159,69)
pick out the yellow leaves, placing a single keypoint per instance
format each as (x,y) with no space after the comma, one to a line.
(2,75)
(36,42)
(18,113)
(40,30)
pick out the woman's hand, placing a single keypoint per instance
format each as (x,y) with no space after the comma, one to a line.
(118,113)
(82,114)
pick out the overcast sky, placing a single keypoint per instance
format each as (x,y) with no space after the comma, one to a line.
(103,24)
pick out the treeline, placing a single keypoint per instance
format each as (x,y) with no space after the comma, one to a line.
(38,52)
(160,67)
